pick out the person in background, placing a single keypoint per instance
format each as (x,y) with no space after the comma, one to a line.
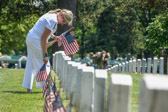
(37,42)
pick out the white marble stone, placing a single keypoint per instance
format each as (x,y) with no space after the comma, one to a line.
(143,66)
(161,65)
(119,68)
(86,96)
(134,66)
(149,65)
(100,90)
(123,67)
(126,67)
(139,66)
(68,76)
(65,63)
(76,99)
(155,63)
(130,66)
(20,61)
(56,62)
(154,94)
(119,93)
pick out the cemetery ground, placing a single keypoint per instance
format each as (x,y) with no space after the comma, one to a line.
(14,98)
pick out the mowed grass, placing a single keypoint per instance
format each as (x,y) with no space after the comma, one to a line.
(136,78)
(14,98)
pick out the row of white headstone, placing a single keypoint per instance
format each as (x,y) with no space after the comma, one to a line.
(87,88)
(19,64)
(141,66)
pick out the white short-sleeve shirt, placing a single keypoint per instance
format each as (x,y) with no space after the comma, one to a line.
(49,21)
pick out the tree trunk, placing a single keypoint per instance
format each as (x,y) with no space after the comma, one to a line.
(64,4)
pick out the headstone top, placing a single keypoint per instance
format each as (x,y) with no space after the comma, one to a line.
(88,69)
(81,66)
(121,79)
(156,81)
(101,73)
(71,62)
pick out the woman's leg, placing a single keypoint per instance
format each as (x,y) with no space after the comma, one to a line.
(28,74)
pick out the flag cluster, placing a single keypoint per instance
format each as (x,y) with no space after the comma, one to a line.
(42,74)
(53,102)
(69,42)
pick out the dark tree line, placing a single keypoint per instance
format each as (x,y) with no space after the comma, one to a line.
(117,26)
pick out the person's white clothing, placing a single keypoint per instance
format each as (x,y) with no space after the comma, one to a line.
(47,20)
(34,49)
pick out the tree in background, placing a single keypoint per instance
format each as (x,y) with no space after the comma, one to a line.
(116,30)
(157,34)
(65,4)
(88,13)
(17,18)
(157,37)
(146,10)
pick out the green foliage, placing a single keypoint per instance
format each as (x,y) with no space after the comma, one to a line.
(87,17)
(157,36)
(17,18)
(116,30)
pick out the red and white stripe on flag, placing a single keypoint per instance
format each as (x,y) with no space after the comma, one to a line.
(62,109)
(45,86)
(69,48)
(48,102)
(41,76)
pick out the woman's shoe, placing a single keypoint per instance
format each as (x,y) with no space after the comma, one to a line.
(29,90)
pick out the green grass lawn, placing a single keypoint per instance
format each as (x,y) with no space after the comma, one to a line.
(14,98)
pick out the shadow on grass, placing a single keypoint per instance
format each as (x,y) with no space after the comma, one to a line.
(20,92)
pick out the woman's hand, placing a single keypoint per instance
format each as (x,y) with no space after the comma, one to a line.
(53,36)
(45,60)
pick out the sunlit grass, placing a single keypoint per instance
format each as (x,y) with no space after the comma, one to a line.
(14,98)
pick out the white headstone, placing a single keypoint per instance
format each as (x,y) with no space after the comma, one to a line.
(154,94)
(139,66)
(161,65)
(100,90)
(86,97)
(130,66)
(134,66)
(149,66)
(155,63)
(143,66)
(119,93)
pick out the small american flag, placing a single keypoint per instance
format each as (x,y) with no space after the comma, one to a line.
(57,104)
(48,104)
(46,86)
(53,102)
(42,74)
(69,42)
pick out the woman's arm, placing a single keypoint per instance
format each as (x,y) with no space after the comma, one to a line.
(46,33)
(51,42)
